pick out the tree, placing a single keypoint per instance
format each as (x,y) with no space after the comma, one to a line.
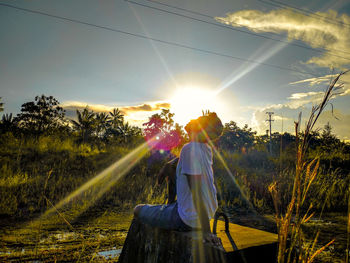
(114,129)
(237,139)
(161,132)
(1,105)
(116,118)
(7,123)
(86,123)
(41,115)
(102,123)
(329,142)
(127,132)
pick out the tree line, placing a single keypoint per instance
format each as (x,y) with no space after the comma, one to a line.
(42,140)
(45,116)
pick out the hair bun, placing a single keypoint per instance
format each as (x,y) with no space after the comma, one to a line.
(208,125)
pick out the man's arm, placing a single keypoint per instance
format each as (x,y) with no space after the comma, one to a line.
(169,169)
(194,182)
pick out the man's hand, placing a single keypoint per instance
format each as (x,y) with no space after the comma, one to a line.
(212,239)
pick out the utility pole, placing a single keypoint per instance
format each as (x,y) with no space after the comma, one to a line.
(270,120)
(281,144)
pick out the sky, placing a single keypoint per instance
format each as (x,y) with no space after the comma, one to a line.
(239,58)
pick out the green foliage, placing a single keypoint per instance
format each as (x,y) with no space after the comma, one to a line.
(116,119)
(290,219)
(8,123)
(237,139)
(42,115)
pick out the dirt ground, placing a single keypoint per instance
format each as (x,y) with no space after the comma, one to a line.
(54,240)
(98,237)
(330,226)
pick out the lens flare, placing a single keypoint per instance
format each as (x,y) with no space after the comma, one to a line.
(164,140)
(87,194)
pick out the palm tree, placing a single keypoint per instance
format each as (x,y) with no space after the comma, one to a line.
(86,123)
(102,123)
(1,105)
(8,123)
(117,118)
(126,131)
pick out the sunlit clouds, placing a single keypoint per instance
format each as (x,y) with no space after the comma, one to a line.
(316,32)
(288,111)
(284,118)
(135,114)
(329,31)
(315,81)
(343,88)
(145,107)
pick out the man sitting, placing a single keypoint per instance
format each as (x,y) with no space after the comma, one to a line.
(196,193)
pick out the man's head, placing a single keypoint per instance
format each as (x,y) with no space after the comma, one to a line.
(205,128)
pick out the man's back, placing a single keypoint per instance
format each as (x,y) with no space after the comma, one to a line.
(195,159)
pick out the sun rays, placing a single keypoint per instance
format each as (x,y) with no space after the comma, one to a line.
(155,48)
(91,191)
(262,54)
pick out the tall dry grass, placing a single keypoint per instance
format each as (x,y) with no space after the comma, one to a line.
(293,246)
(348,233)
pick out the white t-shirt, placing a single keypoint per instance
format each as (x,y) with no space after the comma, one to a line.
(195,159)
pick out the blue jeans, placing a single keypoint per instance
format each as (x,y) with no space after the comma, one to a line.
(163,216)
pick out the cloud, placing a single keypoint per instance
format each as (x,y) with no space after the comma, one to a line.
(284,121)
(128,111)
(297,100)
(281,118)
(315,81)
(146,107)
(288,111)
(318,33)
(298,96)
(342,89)
(78,105)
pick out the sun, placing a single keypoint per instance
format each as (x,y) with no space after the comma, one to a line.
(188,102)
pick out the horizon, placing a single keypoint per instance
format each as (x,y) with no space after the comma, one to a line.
(146,55)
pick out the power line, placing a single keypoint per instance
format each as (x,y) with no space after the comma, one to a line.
(180,8)
(156,40)
(304,12)
(321,50)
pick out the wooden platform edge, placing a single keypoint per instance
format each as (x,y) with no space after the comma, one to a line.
(151,245)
